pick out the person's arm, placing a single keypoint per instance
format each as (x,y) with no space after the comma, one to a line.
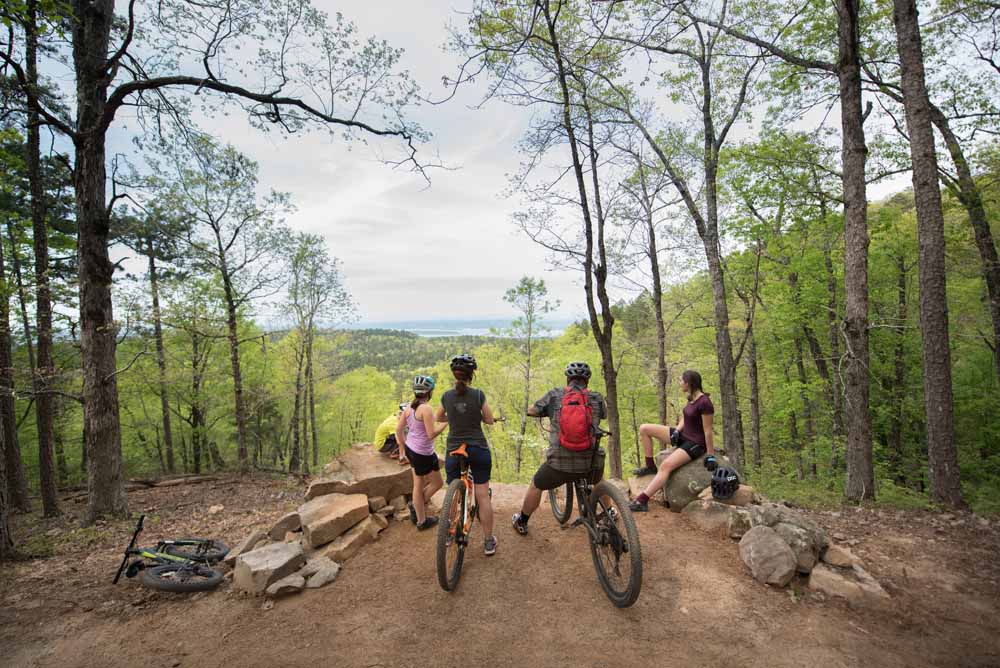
(487,414)
(706,421)
(533,412)
(441,416)
(400,440)
(540,408)
(430,427)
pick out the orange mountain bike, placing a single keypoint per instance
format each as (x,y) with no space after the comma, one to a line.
(458,512)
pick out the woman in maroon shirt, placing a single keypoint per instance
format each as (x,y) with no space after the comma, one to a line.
(694,439)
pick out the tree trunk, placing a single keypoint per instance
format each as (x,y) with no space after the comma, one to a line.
(22,297)
(793,429)
(807,410)
(860,483)
(161,359)
(105,477)
(311,399)
(197,416)
(6,540)
(899,377)
(754,398)
(295,460)
(518,447)
(661,333)
(17,482)
(943,471)
(234,359)
(833,330)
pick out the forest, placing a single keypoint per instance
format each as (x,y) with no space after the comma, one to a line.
(705,169)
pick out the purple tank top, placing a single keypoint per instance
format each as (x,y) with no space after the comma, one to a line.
(416,435)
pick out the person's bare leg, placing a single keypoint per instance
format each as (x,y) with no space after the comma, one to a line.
(532,499)
(418,498)
(432,483)
(485,508)
(677,459)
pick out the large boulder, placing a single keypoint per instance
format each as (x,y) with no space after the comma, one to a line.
(768,556)
(288,522)
(772,514)
(362,470)
(245,545)
(636,485)
(714,517)
(258,569)
(347,546)
(802,543)
(854,584)
(687,482)
(839,556)
(739,522)
(327,517)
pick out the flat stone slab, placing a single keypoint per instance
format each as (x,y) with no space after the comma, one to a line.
(854,584)
(327,517)
(350,543)
(258,569)
(292,584)
(244,546)
(715,517)
(362,470)
(288,522)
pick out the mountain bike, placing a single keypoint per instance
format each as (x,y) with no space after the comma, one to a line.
(178,565)
(611,529)
(458,512)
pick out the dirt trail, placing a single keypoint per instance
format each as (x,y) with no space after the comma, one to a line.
(536,603)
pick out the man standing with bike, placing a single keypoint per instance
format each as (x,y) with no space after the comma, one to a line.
(571,439)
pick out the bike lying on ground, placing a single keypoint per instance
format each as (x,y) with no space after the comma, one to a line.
(611,529)
(179,565)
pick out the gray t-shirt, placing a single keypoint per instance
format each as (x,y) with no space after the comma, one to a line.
(556,456)
(465,417)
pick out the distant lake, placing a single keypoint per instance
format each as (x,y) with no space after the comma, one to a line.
(439,328)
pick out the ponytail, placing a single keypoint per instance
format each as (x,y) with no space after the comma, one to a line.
(419,398)
(462,379)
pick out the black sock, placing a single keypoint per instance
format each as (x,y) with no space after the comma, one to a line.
(523,517)
(650,463)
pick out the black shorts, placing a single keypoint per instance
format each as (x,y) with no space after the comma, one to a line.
(547,477)
(480,462)
(422,464)
(694,450)
(390,444)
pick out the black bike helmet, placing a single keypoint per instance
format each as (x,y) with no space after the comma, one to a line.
(578,370)
(465,362)
(725,482)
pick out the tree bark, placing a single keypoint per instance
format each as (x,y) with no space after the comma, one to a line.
(234,360)
(833,330)
(295,458)
(105,478)
(22,297)
(17,482)
(6,540)
(519,446)
(311,396)
(860,483)
(161,359)
(197,414)
(942,455)
(899,376)
(661,333)
(754,398)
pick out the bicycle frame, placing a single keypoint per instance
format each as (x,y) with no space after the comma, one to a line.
(471,509)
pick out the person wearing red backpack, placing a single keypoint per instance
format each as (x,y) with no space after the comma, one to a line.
(574,414)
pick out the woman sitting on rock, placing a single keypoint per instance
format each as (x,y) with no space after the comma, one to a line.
(416,430)
(693,438)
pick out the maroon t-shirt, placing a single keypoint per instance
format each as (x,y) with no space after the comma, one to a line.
(694,429)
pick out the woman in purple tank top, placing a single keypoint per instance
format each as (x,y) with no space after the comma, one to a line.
(692,436)
(416,431)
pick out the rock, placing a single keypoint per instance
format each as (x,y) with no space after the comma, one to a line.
(244,546)
(289,522)
(347,546)
(853,584)
(744,496)
(711,516)
(364,471)
(380,521)
(802,544)
(376,503)
(258,569)
(839,537)
(215,510)
(292,584)
(687,482)
(386,511)
(636,485)
(324,576)
(771,514)
(835,555)
(402,516)
(326,517)
(333,467)
(768,556)
(739,522)
(292,537)
(398,503)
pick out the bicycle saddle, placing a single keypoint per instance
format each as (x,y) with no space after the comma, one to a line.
(460,451)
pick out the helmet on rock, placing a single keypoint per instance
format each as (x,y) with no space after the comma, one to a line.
(464,362)
(423,384)
(578,370)
(725,482)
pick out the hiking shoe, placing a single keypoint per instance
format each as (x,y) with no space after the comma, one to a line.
(428,522)
(519,526)
(413,512)
(637,507)
(645,470)
(490,546)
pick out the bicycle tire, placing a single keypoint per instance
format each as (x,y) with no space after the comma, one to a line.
(197,549)
(624,596)
(564,511)
(181,577)
(452,513)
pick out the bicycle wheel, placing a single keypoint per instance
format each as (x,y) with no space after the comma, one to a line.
(197,549)
(181,577)
(561,500)
(451,537)
(616,551)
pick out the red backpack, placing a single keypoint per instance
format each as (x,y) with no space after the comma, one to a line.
(576,421)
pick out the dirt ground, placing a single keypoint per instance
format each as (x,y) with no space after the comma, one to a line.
(536,603)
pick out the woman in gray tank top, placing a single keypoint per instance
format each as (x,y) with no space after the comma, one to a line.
(465,410)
